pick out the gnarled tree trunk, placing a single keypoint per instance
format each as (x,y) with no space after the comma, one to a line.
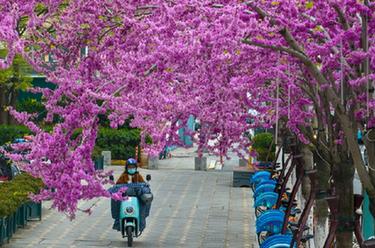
(343,174)
(8,97)
(321,205)
(3,103)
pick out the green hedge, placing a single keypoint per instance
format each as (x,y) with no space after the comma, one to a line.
(261,143)
(14,193)
(121,142)
(31,105)
(10,133)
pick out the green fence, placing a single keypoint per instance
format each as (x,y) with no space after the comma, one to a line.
(9,224)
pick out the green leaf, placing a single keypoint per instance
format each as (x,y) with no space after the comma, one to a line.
(85,26)
(309,5)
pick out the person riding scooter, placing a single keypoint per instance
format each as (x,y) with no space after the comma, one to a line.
(130,177)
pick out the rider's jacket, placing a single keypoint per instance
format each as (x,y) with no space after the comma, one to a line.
(126,178)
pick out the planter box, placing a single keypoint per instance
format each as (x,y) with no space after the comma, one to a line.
(243,162)
(4,232)
(241,176)
(200,163)
(34,210)
(107,158)
(12,224)
(153,163)
(143,160)
(99,163)
(21,216)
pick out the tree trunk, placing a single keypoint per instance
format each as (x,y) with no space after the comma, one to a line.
(13,102)
(308,165)
(364,176)
(321,205)
(3,104)
(343,174)
(308,158)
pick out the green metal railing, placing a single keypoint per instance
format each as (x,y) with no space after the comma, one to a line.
(9,224)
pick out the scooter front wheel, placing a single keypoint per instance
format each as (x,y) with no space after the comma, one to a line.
(129,233)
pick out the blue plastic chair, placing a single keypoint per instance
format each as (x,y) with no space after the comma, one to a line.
(278,241)
(266,181)
(260,175)
(270,221)
(264,187)
(258,178)
(266,199)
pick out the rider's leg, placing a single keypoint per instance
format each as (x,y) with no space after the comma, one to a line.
(147,209)
(142,212)
(116,225)
(115,211)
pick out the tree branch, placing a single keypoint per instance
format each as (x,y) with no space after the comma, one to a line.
(342,18)
(276,48)
(291,41)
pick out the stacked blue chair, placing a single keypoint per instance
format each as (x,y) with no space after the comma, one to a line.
(278,241)
(259,176)
(269,222)
(264,187)
(266,199)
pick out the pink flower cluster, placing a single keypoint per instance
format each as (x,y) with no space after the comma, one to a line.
(161,61)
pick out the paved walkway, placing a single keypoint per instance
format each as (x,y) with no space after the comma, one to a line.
(183,159)
(190,209)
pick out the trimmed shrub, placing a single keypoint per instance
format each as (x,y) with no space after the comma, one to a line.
(14,193)
(31,105)
(121,142)
(12,132)
(96,153)
(261,144)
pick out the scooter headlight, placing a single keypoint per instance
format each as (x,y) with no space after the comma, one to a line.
(129,210)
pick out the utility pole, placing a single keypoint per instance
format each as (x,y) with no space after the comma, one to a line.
(366,62)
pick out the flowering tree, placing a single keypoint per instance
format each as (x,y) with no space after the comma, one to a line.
(160,62)
(333,55)
(141,62)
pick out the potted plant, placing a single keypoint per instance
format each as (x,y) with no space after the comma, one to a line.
(265,148)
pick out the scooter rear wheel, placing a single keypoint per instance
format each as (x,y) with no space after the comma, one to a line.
(129,233)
